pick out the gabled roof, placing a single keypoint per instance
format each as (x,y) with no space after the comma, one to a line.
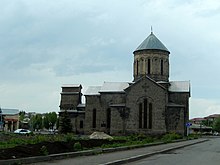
(147,77)
(10,111)
(81,105)
(114,86)
(71,85)
(174,105)
(93,90)
(213,116)
(107,87)
(151,43)
(179,86)
(197,119)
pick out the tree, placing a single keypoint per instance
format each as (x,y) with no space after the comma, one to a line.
(53,118)
(216,125)
(36,122)
(50,120)
(21,115)
(46,121)
(207,122)
(65,123)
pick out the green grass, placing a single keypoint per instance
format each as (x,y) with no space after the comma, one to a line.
(12,140)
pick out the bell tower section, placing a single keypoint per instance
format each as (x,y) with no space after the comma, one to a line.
(151,59)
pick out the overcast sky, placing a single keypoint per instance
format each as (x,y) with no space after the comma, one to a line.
(47,43)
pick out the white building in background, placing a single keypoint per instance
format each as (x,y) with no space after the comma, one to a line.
(10,118)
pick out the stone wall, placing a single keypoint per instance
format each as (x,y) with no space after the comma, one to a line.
(70,98)
(156,57)
(175,120)
(92,102)
(181,98)
(102,103)
(156,95)
(118,121)
(76,118)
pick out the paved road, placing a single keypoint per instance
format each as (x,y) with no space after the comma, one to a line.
(207,153)
(110,157)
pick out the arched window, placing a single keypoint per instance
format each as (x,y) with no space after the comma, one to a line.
(94,118)
(148,66)
(140,115)
(141,65)
(108,118)
(145,113)
(81,124)
(161,67)
(150,116)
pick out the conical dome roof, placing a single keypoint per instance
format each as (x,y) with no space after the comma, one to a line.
(152,42)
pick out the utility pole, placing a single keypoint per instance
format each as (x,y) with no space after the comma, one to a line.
(1,122)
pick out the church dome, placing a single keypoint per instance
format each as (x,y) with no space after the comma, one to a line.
(152,43)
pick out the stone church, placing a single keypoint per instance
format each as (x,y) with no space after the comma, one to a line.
(150,104)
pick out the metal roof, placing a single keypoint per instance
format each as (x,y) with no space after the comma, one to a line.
(73,111)
(114,86)
(179,86)
(152,42)
(10,111)
(198,126)
(107,87)
(71,85)
(174,105)
(117,105)
(93,90)
(81,105)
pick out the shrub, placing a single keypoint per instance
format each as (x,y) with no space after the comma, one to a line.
(43,150)
(69,137)
(149,140)
(77,146)
(170,137)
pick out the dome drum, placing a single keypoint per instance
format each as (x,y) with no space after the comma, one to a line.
(151,58)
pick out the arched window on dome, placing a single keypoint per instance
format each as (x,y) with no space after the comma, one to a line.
(161,67)
(148,66)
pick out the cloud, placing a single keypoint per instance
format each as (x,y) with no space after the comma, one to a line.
(44,44)
(201,107)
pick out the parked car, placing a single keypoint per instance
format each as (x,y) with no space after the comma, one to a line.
(22,131)
(216,133)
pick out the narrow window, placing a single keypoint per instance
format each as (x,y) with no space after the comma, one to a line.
(137,67)
(108,118)
(140,115)
(145,113)
(94,118)
(148,66)
(141,67)
(81,124)
(161,67)
(150,116)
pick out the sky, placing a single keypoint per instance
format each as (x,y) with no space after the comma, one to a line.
(45,44)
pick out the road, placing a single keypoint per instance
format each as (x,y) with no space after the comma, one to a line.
(207,153)
(109,158)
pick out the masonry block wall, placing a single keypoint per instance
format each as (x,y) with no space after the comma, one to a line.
(149,93)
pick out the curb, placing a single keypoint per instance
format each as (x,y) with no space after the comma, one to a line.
(139,157)
(36,159)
